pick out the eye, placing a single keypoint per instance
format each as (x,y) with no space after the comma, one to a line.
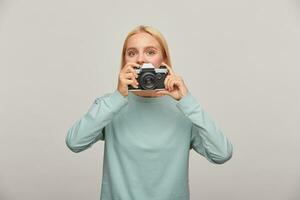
(150,52)
(130,53)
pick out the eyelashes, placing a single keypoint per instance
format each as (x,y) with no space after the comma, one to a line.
(149,53)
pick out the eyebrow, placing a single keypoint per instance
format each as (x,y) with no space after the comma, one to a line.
(134,48)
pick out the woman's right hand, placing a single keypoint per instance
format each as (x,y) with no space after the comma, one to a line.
(127,76)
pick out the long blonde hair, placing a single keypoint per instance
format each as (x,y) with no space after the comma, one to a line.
(154,33)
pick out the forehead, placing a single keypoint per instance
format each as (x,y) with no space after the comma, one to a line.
(142,40)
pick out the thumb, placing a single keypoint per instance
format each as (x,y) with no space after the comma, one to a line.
(162,92)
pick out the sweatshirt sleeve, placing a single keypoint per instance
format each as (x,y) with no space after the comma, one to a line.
(206,138)
(91,126)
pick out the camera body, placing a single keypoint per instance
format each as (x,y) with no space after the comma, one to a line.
(150,78)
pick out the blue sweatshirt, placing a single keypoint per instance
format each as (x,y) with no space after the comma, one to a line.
(147,143)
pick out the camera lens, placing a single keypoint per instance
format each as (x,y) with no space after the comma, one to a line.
(148,81)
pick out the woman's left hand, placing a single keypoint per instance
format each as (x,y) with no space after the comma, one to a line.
(174,85)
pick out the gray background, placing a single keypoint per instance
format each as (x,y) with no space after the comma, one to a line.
(240,59)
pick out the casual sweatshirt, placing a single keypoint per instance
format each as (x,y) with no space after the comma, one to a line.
(147,142)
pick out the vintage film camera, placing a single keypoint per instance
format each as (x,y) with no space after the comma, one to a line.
(150,78)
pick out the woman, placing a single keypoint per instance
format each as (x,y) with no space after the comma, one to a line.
(148,135)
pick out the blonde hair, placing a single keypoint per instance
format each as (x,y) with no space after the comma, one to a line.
(154,33)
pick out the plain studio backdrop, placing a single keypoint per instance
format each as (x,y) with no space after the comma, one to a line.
(240,59)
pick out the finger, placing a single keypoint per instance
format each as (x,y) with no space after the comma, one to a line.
(175,82)
(162,92)
(169,83)
(128,75)
(170,70)
(166,81)
(130,82)
(172,83)
(157,94)
(130,69)
(131,64)
(131,76)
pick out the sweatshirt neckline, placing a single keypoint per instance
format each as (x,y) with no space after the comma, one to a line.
(146,99)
